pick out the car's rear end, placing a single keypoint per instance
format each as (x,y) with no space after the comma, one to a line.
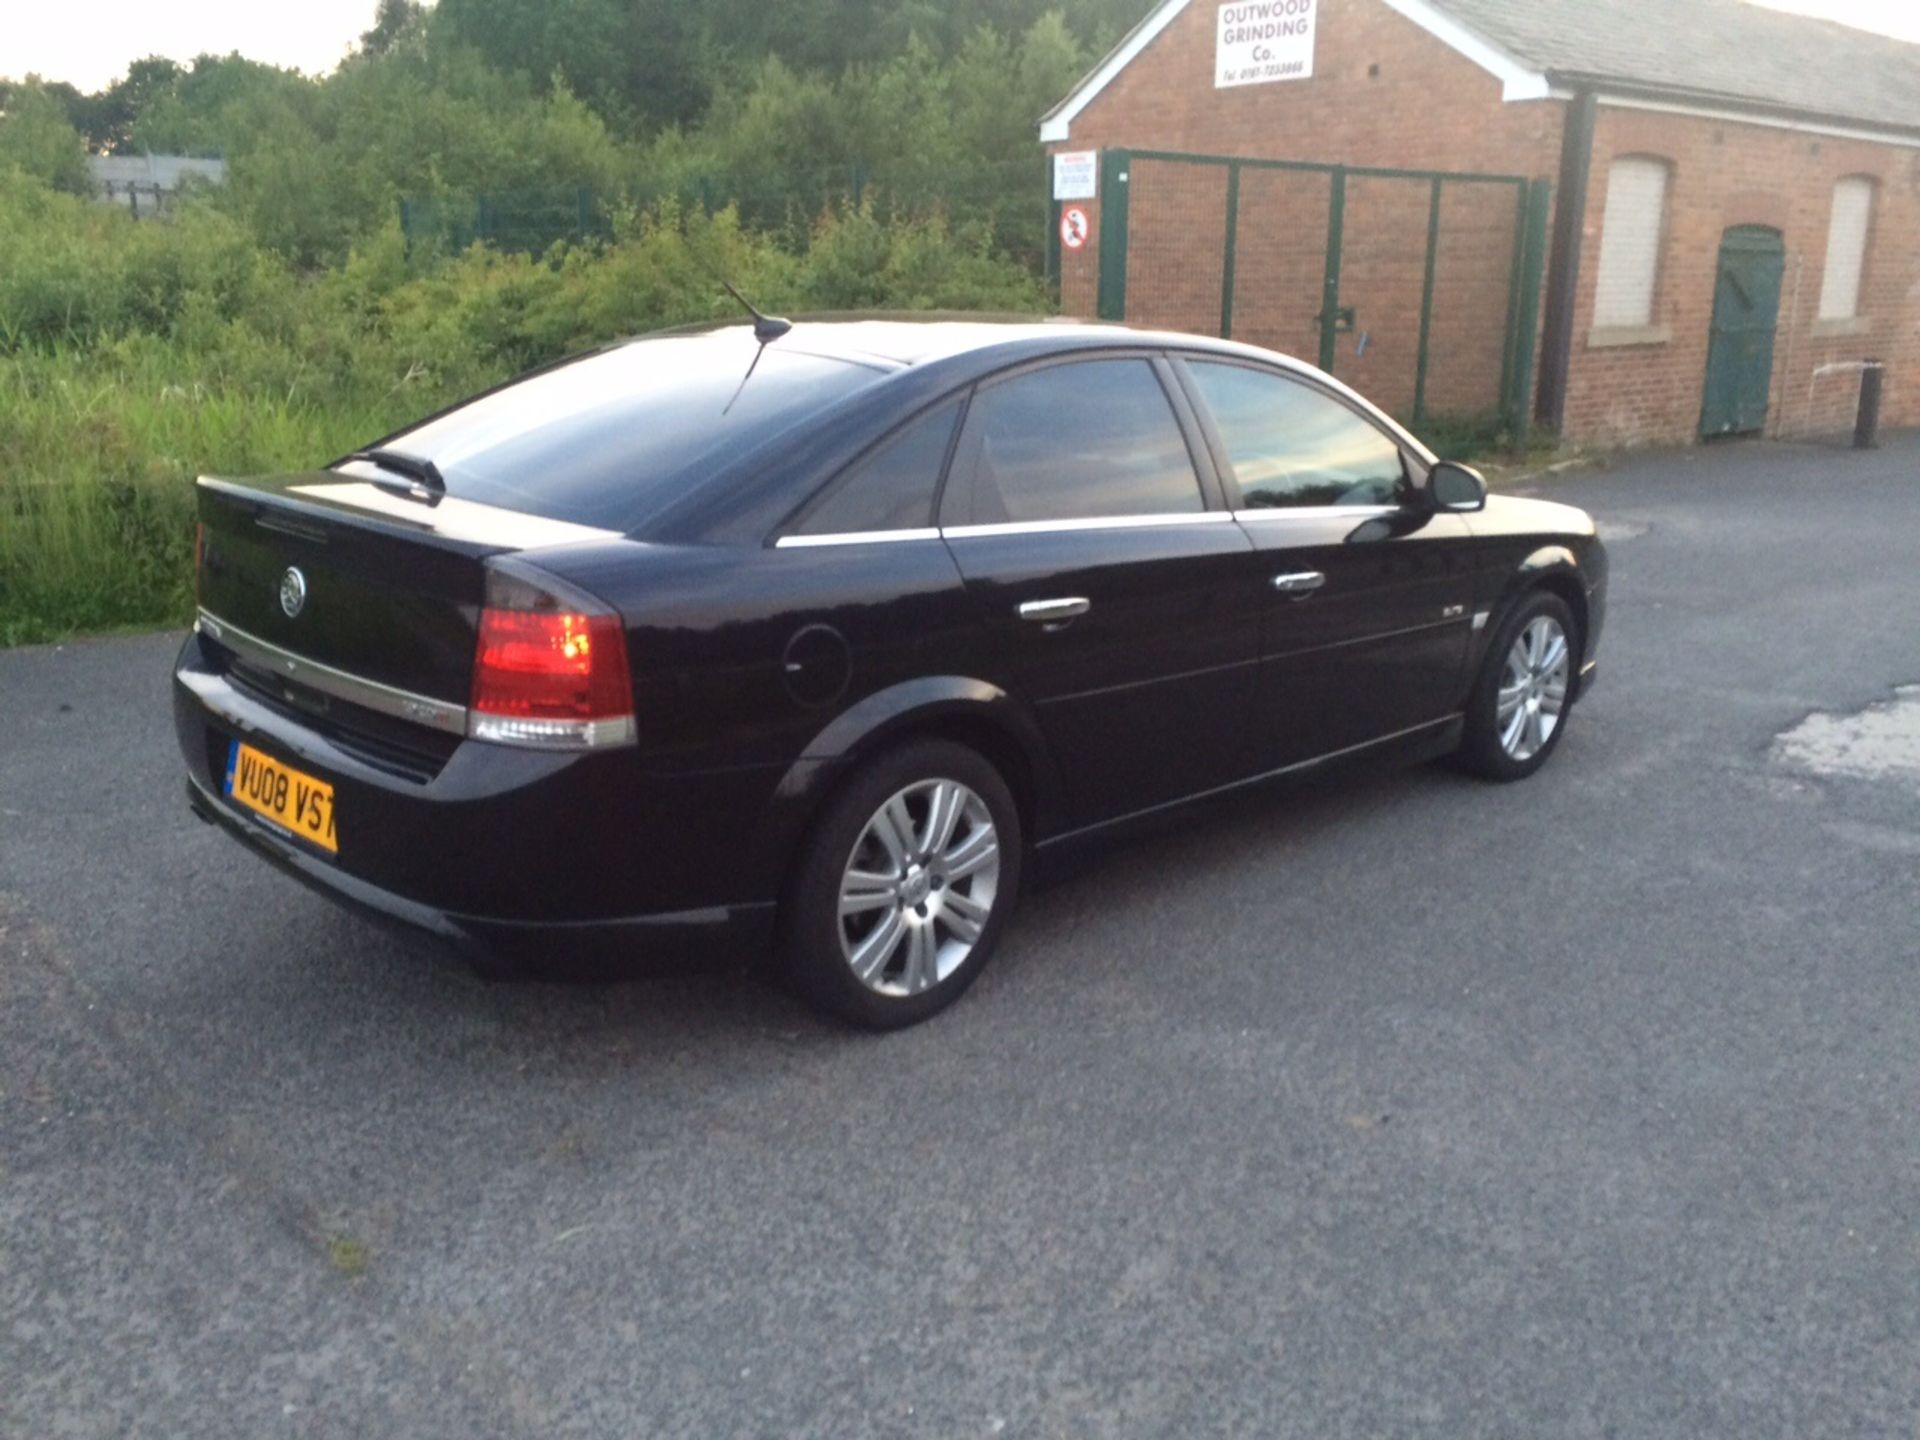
(366,694)
(393,691)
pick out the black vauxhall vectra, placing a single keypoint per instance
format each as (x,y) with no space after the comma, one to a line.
(809,637)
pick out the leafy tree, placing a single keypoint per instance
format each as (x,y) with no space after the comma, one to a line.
(397,25)
(110,118)
(212,106)
(633,58)
(661,63)
(922,106)
(37,138)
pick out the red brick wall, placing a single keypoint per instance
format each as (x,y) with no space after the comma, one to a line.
(1283,237)
(1177,254)
(1727,173)
(1427,107)
(1385,93)
(1472,287)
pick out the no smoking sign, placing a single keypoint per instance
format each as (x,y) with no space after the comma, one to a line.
(1074,228)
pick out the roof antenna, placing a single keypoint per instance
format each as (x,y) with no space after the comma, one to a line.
(766,328)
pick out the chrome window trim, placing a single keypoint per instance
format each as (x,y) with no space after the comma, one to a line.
(856,537)
(1016,527)
(1107,522)
(368,694)
(1316,512)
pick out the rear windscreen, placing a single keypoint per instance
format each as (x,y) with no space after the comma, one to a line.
(610,438)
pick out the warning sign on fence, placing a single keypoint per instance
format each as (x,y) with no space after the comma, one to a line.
(1074,228)
(1260,41)
(1076,175)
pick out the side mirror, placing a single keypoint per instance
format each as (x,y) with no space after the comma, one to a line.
(1455,487)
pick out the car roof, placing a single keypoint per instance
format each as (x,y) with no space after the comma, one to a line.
(983,343)
(913,338)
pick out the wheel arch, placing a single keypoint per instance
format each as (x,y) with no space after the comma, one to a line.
(967,711)
(1557,570)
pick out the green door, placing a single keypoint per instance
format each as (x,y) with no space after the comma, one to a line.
(1746,308)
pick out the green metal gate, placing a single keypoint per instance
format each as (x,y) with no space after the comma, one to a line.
(1746,311)
(1420,288)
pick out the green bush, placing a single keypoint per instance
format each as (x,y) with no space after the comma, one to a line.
(36,139)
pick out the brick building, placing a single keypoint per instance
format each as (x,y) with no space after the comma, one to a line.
(1630,220)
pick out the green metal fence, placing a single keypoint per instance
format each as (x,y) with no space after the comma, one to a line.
(1000,198)
(1420,288)
(520,220)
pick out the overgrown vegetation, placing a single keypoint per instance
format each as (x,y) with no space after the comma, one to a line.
(277,321)
(134,356)
(820,154)
(634,99)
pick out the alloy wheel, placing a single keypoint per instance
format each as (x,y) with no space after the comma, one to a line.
(1533,688)
(919,887)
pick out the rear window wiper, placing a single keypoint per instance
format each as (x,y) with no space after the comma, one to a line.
(421,474)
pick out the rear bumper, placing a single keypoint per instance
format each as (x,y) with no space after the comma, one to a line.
(521,854)
(722,932)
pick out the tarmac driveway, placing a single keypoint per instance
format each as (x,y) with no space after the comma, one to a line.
(1585,1107)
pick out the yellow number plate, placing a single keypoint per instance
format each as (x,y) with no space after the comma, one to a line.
(293,801)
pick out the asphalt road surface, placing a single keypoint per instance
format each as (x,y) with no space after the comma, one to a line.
(1584,1107)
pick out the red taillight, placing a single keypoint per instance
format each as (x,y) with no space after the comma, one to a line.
(550,678)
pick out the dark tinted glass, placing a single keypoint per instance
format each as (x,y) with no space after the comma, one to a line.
(1291,445)
(607,439)
(892,489)
(1087,440)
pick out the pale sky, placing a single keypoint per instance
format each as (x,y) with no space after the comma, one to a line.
(90,42)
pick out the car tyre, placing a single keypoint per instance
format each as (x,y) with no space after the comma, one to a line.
(903,886)
(1523,697)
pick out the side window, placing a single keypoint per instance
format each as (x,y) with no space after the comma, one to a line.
(891,489)
(1091,439)
(1291,445)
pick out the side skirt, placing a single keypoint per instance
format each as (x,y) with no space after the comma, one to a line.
(1408,747)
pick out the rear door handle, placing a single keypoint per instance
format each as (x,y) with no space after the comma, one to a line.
(1052,612)
(1299,584)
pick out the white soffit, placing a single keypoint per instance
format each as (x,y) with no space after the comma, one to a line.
(1056,124)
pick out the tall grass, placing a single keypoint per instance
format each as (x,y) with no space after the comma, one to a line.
(98,453)
(136,356)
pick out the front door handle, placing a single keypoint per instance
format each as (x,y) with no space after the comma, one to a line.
(1053,612)
(1299,584)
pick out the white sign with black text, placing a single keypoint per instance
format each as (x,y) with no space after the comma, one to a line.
(1260,41)
(1076,175)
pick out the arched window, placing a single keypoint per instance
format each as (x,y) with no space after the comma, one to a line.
(1847,248)
(1630,242)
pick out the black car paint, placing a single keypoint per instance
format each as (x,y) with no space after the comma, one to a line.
(1195,677)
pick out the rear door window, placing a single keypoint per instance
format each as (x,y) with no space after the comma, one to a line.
(1085,440)
(1291,445)
(891,489)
